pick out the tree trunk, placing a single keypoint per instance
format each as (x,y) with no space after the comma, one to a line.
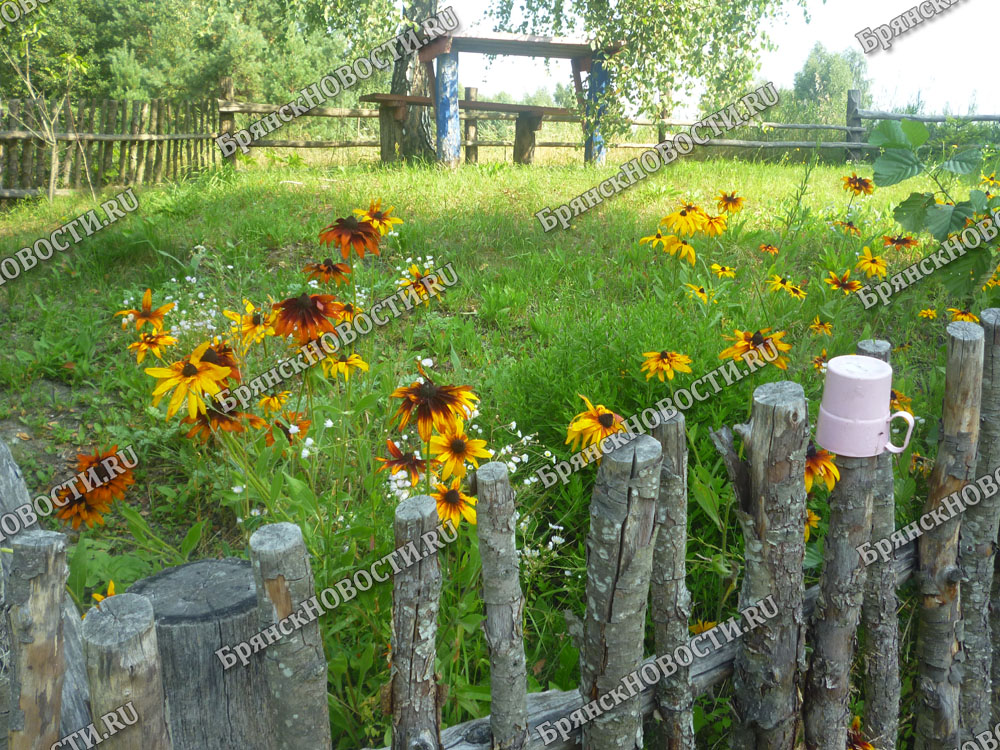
(409,76)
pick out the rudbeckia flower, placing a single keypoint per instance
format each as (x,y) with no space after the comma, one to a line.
(658,237)
(900,242)
(328,270)
(192,378)
(723,272)
(820,360)
(702,626)
(665,363)
(252,325)
(820,465)
(688,219)
(222,354)
(700,292)
(858,185)
(990,180)
(342,365)
(592,426)
(848,227)
(920,464)
(843,283)
(274,402)
(453,505)
(812,522)
(778,283)
(147,313)
(418,282)
(343,312)
(714,225)
(453,448)
(351,234)
(965,315)
(381,219)
(214,419)
(796,292)
(87,502)
(98,597)
(729,202)
(305,317)
(745,341)
(819,327)
(854,739)
(872,265)
(435,405)
(930,313)
(771,249)
(677,246)
(899,401)
(151,341)
(400,461)
(292,426)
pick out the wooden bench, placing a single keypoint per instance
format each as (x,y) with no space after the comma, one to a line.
(392,112)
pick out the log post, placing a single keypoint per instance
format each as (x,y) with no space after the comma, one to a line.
(449,134)
(416,599)
(854,121)
(619,566)
(525,127)
(471,128)
(295,665)
(977,545)
(878,610)
(594,151)
(937,708)
(835,619)
(670,600)
(34,595)
(123,667)
(227,120)
(770,659)
(504,605)
(200,607)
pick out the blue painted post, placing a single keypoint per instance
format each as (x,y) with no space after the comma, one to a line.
(594,150)
(449,141)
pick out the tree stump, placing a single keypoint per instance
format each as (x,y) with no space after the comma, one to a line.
(123,665)
(525,127)
(619,566)
(199,608)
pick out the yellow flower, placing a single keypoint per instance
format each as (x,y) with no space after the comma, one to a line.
(151,341)
(676,246)
(820,465)
(745,341)
(453,505)
(700,292)
(723,272)
(858,185)
(843,283)
(777,283)
(343,364)
(714,225)
(899,401)
(965,315)
(770,249)
(730,202)
(191,378)
(688,219)
(381,219)
(665,363)
(453,448)
(820,360)
(274,402)
(658,237)
(930,313)
(147,313)
(703,626)
(812,522)
(819,327)
(252,325)
(592,426)
(872,265)
(101,597)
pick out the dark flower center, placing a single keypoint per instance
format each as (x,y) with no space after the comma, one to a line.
(349,223)
(304,302)
(665,355)
(257,319)
(757,339)
(210,356)
(427,391)
(457,446)
(453,497)
(606,420)
(684,212)
(329,264)
(189,370)
(810,451)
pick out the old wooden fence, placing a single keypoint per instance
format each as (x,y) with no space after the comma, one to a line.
(155,645)
(97,143)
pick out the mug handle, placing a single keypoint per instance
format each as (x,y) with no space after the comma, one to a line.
(906,441)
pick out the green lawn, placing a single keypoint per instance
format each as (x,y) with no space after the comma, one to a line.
(535,320)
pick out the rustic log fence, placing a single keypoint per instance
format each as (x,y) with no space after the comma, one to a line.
(155,645)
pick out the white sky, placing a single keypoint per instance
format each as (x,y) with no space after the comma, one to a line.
(948,60)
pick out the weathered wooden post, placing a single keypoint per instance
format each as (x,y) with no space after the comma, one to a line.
(670,600)
(34,595)
(295,665)
(227,120)
(416,600)
(854,121)
(449,133)
(390,118)
(525,127)
(838,608)
(201,607)
(878,610)
(123,666)
(75,712)
(471,128)
(977,546)
(504,605)
(770,660)
(594,151)
(619,566)
(937,709)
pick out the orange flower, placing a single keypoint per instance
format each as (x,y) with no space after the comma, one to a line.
(436,406)
(305,316)
(104,481)
(328,270)
(843,283)
(292,426)
(400,461)
(900,242)
(769,249)
(214,419)
(222,354)
(147,313)
(380,218)
(350,233)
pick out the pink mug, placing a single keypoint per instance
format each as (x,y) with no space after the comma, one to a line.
(854,414)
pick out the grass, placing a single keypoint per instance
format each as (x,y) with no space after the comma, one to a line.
(535,320)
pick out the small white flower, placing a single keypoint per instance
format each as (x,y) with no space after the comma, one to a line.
(230,268)
(328,423)
(314,283)
(524,456)
(238,489)
(427,362)
(527,481)
(547,454)
(201,295)
(512,426)
(305,453)
(293,429)
(491,452)
(255,512)
(309,442)
(557,539)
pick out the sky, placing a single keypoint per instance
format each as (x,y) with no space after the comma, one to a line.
(946,61)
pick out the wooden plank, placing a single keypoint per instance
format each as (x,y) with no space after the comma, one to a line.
(106,154)
(101,127)
(24,135)
(446,110)
(467,104)
(27,178)
(124,128)
(134,157)
(150,152)
(43,153)
(865,114)
(81,157)
(316,144)
(141,147)
(471,129)
(187,143)
(524,138)
(227,121)
(12,148)
(157,175)
(527,45)
(69,153)
(174,145)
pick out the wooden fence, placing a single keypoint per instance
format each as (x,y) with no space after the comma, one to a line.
(155,645)
(98,143)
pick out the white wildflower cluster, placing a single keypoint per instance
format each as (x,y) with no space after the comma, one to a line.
(199,313)
(419,261)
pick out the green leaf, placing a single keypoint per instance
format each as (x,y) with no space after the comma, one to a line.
(707,501)
(964,162)
(136,523)
(192,538)
(943,219)
(911,214)
(965,275)
(888,134)
(916,132)
(979,202)
(77,580)
(895,166)
(365,403)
